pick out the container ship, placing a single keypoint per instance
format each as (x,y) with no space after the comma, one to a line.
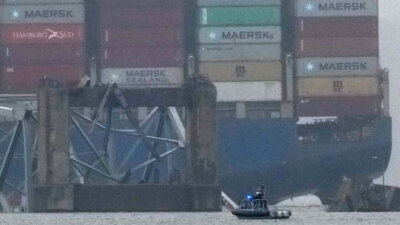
(302,99)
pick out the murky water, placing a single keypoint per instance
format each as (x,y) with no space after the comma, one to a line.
(301,215)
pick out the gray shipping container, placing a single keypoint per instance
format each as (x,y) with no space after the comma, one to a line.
(231,35)
(333,8)
(337,66)
(143,77)
(40,1)
(243,52)
(237,2)
(30,14)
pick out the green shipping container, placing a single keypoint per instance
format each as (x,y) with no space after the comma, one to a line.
(239,16)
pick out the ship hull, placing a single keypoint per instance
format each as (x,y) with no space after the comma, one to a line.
(254,152)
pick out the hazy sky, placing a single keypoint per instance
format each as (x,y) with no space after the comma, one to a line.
(390,58)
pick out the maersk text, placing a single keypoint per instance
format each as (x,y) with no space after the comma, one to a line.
(247,35)
(145,73)
(343,66)
(48,14)
(343,6)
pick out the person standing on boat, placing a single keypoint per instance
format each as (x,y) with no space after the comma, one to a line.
(259,193)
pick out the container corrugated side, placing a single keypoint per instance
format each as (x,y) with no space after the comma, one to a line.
(240,16)
(44,54)
(142,37)
(40,1)
(338,106)
(237,2)
(336,8)
(338,86)
(141,17)
(42,34)
(143,77)
(242,71)
(242,52)
(337,27)
(337,66)
(25,79)
(109,4)
(248,91)
(50,13)
(337,47)
(141,57)
(231,35)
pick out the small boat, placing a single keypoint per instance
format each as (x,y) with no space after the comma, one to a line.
(256,207)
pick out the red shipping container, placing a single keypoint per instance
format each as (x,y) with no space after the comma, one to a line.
(43,54)
(140,3)
(337,27)
(25,79)
(338,106)
(141,17)
(42,34)
(142,57)
(337,47)
(142,37)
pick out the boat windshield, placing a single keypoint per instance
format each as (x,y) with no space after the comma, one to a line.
(253,204)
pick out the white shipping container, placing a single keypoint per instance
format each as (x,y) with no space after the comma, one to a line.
(143,77)
(241,52)
(237,2)
(337,66)
(249,91)
(30,14)
(336,8)
(231,35)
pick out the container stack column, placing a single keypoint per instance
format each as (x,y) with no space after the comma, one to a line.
(141,43)
(337,50)
(41,38)
(239,48)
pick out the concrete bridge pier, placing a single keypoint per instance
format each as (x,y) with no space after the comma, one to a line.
(201,150)
(53,191)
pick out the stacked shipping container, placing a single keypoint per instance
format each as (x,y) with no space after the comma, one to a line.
(336,51)
(239,48)
(141,44)
(41,38)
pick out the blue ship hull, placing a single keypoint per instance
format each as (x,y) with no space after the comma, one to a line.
(267,151)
